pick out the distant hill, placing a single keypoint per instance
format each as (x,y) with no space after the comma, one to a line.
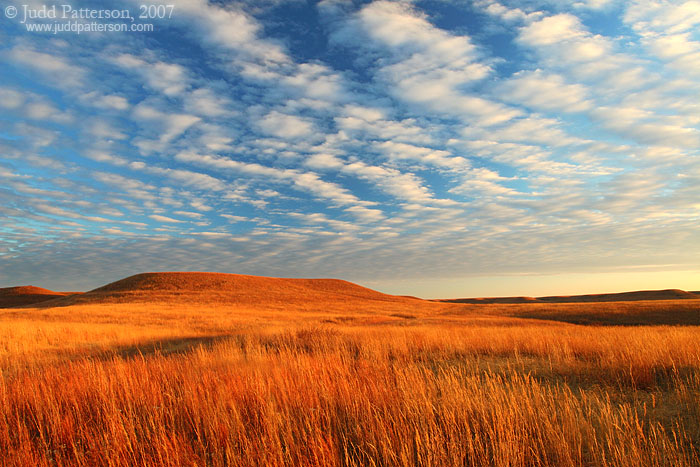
(668,294)
(490,300)
(27,295)
(234,289)
(345,302)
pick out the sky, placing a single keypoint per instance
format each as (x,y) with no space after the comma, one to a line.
(432,148)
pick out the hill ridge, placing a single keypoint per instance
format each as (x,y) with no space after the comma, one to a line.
(27,295)
(205,287)
(639,295)
(222,282)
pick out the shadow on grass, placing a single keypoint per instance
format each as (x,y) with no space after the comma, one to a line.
(143,350)
(633,313)
(171,346)
(669,317)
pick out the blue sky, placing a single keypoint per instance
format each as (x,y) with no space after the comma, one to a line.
(438,148)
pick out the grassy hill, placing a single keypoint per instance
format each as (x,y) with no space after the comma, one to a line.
(226,370)
(26,295)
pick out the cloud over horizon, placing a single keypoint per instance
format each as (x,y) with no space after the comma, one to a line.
(371,141)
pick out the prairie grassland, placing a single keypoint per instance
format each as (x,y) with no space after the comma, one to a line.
(170,384)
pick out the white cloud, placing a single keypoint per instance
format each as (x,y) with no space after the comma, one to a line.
(402,185)
(33,136)
(407,32)
(105,102)
(679,50)
(563,43)
(324,161)
(168,220)
(102,129)
(194,215)
(51,65)
(189,178)
(366,214)
(285,126)
(115,102)
(102,156)
(631,190)
(429,156)
(542,91)
(532,129)
(312,80)
(316,218)
(670,17)
(427,138)
(169,78)
(673,46)
(304,181)
(553,30)
(233,218)
(32,106)
(406,130)
(171,125)
(312,183)
(368,114)
(10,99)
(509,15)
(229,29)
(122,182)
(117,232)
(595,4)
(207,103)
(483,182)
(45,111)
(199,205)
(648,127)
(424,65)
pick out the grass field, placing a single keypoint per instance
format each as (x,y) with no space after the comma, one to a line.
(369,381)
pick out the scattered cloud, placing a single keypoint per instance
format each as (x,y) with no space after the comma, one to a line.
(372,140)
(285,126)
(544,92)
(166,219)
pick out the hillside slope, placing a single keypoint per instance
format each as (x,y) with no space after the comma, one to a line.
(643,295)
(206,288)
(27,295)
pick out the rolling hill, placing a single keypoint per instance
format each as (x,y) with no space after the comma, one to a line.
(27,295)
(241,291)
(644,295)
(341,301)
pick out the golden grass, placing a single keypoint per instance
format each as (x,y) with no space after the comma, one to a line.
(643,312)
(358,383)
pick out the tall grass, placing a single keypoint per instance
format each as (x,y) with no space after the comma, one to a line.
(327,394)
